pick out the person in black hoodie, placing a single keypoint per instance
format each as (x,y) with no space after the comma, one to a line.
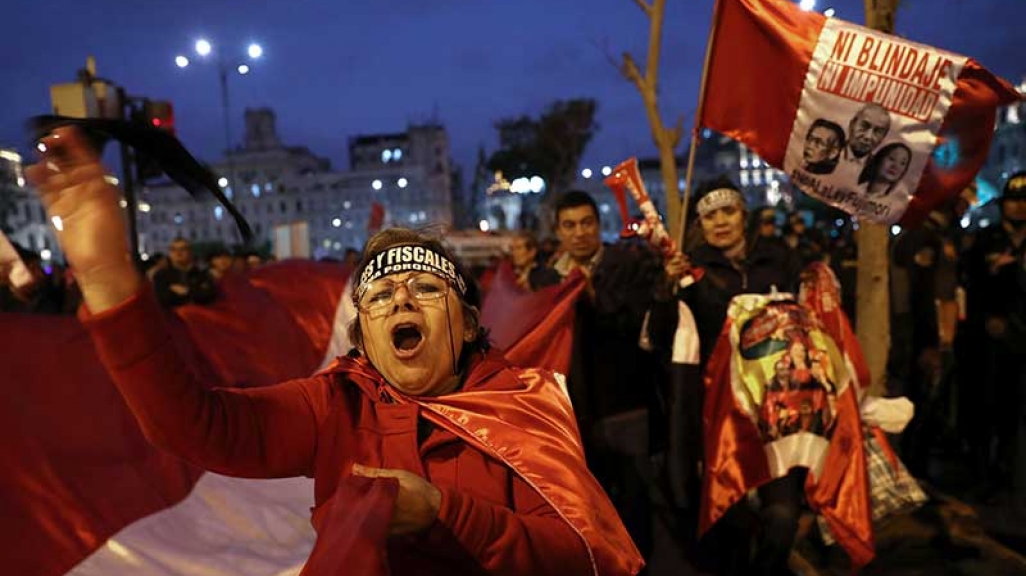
(734,261)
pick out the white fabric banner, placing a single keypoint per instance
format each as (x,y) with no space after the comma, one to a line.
(868,119)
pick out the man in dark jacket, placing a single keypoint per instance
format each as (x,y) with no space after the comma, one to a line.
(611,378)
(995,321)
(183,282)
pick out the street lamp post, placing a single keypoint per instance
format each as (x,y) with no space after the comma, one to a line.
(224,68)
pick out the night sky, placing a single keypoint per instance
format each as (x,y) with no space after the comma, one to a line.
(335,68)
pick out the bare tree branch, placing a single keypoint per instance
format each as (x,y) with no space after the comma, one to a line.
(608,53)
(631,71)
(677,132)
(646,8)
(655,36)
(647,83)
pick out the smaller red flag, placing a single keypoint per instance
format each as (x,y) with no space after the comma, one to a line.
(377,217)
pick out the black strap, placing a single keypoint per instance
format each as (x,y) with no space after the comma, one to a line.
(159,145)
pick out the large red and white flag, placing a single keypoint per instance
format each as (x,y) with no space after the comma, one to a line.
(873,124)
(84,493)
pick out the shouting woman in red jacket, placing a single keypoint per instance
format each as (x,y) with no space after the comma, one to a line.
(430,454)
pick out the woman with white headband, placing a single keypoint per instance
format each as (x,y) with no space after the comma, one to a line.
(458,462)
(733,261)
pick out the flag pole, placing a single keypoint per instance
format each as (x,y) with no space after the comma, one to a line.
(689,172)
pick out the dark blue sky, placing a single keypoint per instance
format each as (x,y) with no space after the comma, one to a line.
(336,68)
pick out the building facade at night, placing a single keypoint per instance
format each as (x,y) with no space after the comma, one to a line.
(411,175)
(26,218)
(272,185)
(1008,150)
(762,185)
(502,206)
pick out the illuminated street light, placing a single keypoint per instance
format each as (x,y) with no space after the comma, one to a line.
(402,182)
(606,170)
(586,173)
(224,67)
(829,12)
(376,184)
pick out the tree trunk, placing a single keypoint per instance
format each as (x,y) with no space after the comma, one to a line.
(665,138)
(671,181)
(873,303)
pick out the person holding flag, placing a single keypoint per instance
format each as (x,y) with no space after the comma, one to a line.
(415,439)
(736,260)
(732,261)
(611,379)
(882,88)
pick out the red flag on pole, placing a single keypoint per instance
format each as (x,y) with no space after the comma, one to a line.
(533,328)
(873,124)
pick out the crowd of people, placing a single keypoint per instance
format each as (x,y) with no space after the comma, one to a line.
(418,342)
(958,329)
(177,276)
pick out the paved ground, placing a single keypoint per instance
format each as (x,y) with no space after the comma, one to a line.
(975,532)
(947,537)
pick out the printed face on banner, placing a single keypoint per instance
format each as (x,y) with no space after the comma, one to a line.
(790,371)
(868,119)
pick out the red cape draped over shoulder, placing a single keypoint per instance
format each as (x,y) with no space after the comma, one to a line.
(522,417)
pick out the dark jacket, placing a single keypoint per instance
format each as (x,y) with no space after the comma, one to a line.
(997,294)
(609,373)
(924,269)
(542,276)
(43,298)
(769,264)
(202,289)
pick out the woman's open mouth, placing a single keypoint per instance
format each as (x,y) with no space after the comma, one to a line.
(406,340)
